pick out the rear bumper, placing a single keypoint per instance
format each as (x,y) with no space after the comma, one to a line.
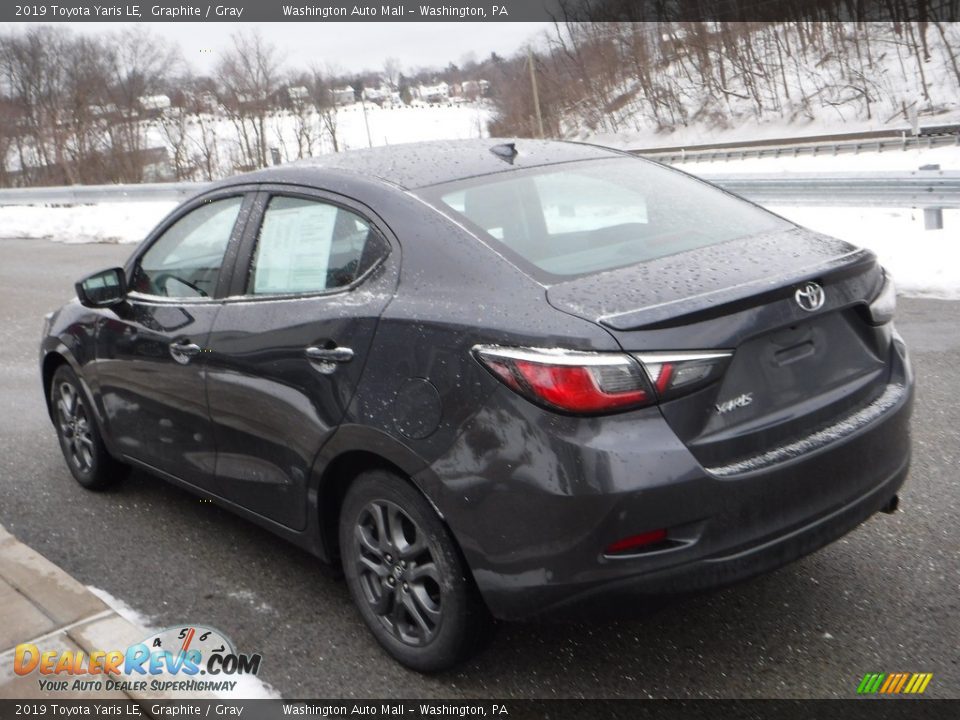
(627,595)
(533,498)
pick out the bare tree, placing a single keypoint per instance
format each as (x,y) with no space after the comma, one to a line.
(206,153)
(948,46)
(73,107)
(175,128)
(305,126)
(249,76)
(392,72)
(9,122)
(87,76)
(141,65)
(32,71)
(323,85)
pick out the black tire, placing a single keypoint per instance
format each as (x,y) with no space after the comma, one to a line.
(406,575)
(74,419)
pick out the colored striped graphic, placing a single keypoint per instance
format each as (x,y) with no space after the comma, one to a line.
(894,683)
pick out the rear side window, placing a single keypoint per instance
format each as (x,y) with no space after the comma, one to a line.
(185,261)
(308,246)
(586,217)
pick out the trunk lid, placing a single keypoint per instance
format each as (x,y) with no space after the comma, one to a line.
(792,372)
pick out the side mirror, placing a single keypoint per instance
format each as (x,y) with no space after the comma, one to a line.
(102,289)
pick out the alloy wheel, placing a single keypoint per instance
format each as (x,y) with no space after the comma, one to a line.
(397,572)
(74,425)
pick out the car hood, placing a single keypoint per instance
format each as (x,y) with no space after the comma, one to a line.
(681,288)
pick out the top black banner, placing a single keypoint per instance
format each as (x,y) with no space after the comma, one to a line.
(484,11)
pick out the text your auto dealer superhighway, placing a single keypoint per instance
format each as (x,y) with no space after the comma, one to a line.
(186,11)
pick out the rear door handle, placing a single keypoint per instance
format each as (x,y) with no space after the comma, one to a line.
(182,351)
(329,355)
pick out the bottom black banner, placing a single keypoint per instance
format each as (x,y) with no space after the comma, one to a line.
(864,709)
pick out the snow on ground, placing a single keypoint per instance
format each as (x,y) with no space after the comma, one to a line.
(924,263)
(122,609)
(388,126)
(864,78)
(752,131)
(117,222)
(358,125)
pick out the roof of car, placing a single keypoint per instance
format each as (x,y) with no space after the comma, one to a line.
(416,165)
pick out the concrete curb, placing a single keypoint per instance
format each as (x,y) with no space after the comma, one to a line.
(41,604)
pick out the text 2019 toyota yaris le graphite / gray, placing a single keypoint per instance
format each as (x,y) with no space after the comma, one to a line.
(510,379)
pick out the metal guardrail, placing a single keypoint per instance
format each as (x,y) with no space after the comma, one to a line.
(915,189)
(879,141)
(90,194)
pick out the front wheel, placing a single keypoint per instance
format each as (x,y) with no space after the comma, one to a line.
(406,575)
(88,459)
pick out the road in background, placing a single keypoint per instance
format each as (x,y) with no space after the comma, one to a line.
(883,599)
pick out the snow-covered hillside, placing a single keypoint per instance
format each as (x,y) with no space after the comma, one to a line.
(772,81)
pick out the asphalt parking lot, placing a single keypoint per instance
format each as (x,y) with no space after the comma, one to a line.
(884,599)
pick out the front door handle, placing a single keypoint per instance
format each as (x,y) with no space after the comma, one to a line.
(325,359)
(182,351)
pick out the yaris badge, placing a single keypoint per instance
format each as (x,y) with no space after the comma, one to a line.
(810,296)
(737,402)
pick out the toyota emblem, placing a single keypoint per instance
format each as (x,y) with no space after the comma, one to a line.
(810,296)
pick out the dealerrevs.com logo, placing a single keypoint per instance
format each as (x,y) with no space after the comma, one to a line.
(187,659)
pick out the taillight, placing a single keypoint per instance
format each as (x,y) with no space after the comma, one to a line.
(596,383)
(678,373)
(883,306)
(576,382)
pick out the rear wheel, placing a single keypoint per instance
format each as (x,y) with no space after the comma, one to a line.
(406,575)
(88,459)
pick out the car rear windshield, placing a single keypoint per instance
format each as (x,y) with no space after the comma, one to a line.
(585,217)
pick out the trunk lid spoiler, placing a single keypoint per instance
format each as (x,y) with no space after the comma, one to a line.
(717,280)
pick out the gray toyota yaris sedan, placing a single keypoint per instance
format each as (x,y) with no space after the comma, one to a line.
(510,379)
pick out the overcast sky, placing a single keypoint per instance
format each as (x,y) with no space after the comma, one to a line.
(349,46)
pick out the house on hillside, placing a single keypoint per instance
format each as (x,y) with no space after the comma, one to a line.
(376,94)
(344,95)
(438,93)
(472,89)
(296,96)
(153,105)
(383,96)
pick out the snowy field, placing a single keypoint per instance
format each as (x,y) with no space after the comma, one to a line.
(923,263)
(293,136)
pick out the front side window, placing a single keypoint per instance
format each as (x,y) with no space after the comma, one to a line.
(185,261)
(308,246)
(586,217)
